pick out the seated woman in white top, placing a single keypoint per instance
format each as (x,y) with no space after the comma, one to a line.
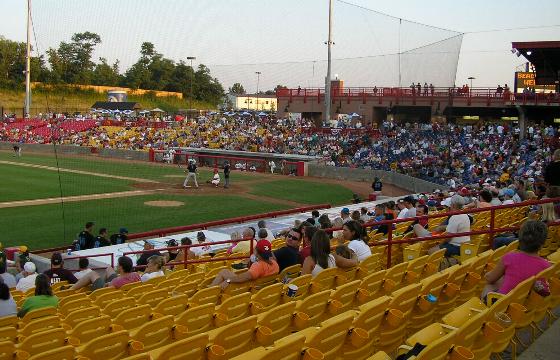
(321,257)
(353,232)
(153,269)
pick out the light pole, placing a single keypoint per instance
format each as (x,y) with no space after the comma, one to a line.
(191,58)
(471,78)
(28,63)
(258,79)
(328,77)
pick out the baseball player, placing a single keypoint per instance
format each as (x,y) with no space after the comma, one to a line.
(191,174)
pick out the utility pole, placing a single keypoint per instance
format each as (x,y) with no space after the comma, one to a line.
(28,62)
(258,80)
(328,78)
(191,58)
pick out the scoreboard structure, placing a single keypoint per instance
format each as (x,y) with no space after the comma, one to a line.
(526,81)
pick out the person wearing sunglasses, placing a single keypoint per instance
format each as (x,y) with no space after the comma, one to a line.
(289,254)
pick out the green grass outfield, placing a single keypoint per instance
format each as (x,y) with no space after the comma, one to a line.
(42,226)
(304,191)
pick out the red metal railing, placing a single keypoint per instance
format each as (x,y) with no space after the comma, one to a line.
(491,230)
(489,95)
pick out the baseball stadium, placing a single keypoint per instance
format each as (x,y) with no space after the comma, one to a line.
(312,180)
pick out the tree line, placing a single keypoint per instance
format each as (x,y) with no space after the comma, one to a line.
(72,63)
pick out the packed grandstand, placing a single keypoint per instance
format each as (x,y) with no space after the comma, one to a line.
(444,154)
(461,272)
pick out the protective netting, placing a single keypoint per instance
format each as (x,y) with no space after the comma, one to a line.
(282,40)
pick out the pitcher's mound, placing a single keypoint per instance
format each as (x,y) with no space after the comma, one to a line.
(164,203)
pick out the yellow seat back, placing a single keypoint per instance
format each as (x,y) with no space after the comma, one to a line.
(158,332)
(61,353)
(172,305)
(153,298)
(237,307)
(114,308)
(281,320)
(113,346)
(192,348)
(45,340)
(269,296)
(89,329)
(209,295)
(134,317)
(331,336)
(39,313)
(199,319)
(80,315)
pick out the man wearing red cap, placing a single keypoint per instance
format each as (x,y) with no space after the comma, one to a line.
(265,265)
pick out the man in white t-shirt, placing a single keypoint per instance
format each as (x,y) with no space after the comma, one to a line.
(456,224)
(28,281)
(402,208)
(410,208)
(83,264)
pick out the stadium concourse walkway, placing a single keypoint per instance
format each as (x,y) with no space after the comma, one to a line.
(545,347)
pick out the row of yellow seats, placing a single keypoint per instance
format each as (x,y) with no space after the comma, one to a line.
(119,306)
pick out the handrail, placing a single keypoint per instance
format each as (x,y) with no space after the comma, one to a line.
(492,229)
(70,257)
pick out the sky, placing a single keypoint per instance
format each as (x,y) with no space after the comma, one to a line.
(284,40)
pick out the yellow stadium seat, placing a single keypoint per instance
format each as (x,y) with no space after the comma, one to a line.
(200,319)
(77,296)
(61,353)
(9,351)
(96,293)
(159,332)
(345,275)
(269,296)
(86,330)
(235,289)
(192,348)
(283,320)
(423,312)
(369,317)
(42,324)
(39,313)
(153,298)
(138,289)
(114,308)
(375,285)
(135,317)
(319,307)
(433,263)
(78,316)
(209,295)
(397,274)
(9,321)
(46,340)
(260,283)
(169,284)
(111,347)
(238,307)
(370,265)
(326,279)
(290,348)
(347,295)
(173,305)
(70,306)
(289,273)
(10,333)
(240,336)
(380,355)
(331,335)
(303,283)
(188,289)
(104,299)
(155,281)
(57,286)
(440,349)
(394,325)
